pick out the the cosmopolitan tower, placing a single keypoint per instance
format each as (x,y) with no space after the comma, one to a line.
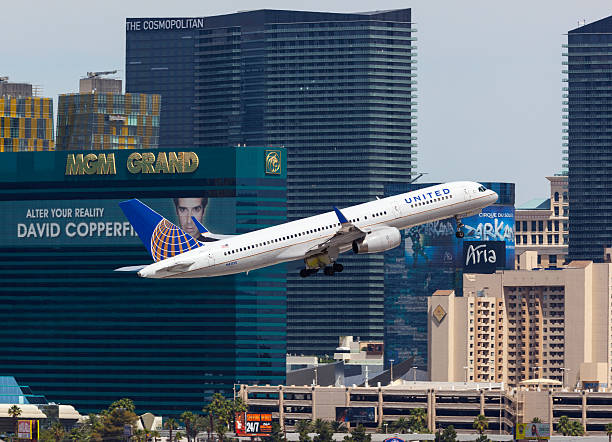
(588,138)
(337,90)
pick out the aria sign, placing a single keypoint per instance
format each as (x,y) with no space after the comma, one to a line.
(483,256)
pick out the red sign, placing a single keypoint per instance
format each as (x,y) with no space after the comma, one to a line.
(253,424)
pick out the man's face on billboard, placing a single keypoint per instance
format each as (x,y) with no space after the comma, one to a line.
(185,209)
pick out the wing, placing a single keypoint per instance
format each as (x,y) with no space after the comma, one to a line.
(342,239)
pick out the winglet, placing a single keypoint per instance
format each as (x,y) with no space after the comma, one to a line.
(340,216)
(199,225)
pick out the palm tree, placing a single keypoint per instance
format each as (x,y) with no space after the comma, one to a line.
(14,412)
(481,423)
(402,426)
(303,428)
(418,419)
(609,431)
(57,431)
(449,434)
(178,436)
(139,435)
(154,434)
(576,428)
(170,425)
(564,425)
(536,420)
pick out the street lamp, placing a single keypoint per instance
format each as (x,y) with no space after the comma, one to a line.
(391,371)
(466,371)
(414,374)
(563,370)
(316,378)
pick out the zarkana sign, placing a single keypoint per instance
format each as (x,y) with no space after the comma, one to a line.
(146,162)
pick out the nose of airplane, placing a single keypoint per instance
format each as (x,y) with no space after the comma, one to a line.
(493,197)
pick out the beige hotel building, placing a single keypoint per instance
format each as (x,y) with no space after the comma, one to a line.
(516,325)
(542,225)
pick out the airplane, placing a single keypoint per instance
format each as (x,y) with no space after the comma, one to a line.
(371,227)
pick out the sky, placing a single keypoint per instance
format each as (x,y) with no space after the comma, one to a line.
(489,72)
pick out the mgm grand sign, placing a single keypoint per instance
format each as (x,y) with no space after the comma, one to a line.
(146,162)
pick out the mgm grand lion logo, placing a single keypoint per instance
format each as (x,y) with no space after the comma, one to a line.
(273,162)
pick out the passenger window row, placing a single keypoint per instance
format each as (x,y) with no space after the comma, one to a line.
(445,197)
(283,238)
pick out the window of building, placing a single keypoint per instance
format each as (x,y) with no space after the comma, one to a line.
(539,261)
(518,226)
(549,225)
(540,239)
(534,225)
(541,226)
(556,211)
(565,211)
(552,259)
(524,226)
(556,196)
(533,239)
(549,238)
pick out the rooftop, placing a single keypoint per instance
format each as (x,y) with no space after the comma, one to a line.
(535,204)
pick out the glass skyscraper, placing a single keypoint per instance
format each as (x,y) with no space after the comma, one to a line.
(588,138)
(336,89)
(26,123)
(79,332)
(99,121)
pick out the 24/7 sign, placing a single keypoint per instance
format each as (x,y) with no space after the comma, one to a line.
(253,424)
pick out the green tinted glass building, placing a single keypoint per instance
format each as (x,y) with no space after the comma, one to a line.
(80,333)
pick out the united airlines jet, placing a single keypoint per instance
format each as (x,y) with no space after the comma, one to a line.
(319,240)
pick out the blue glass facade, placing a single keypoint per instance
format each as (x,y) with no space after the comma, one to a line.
(429,258)
(337,90)
(80,333)
(588,138)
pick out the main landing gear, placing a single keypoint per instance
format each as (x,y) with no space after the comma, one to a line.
(459,233)
(328,270)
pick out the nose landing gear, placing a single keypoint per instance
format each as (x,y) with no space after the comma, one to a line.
(459,233)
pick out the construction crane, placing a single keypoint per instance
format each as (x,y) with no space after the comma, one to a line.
(100,73)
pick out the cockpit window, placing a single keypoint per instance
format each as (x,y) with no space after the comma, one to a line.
(482,189)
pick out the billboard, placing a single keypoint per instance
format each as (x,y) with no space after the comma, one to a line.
(101,222)
(483,256)
(532,431)
(356,415)
(253,424)
(27,429)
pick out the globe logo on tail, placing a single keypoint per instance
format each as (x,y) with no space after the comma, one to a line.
(168,240)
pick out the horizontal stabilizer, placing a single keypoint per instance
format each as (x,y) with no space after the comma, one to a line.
(199,225)
(131,268)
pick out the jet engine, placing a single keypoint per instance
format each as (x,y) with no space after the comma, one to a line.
(379,240)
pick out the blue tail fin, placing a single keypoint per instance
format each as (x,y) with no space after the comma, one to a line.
(161,238)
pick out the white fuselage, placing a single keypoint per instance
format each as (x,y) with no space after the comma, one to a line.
(294,240)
